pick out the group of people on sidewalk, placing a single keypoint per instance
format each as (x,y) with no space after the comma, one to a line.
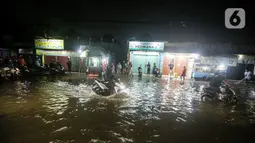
(124,68)
(15,61)
(155,70)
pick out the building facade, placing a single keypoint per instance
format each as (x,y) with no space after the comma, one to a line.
(142,53)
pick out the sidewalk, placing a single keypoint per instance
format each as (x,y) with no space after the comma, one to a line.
(76,73)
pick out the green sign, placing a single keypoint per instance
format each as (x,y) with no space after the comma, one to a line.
(146,46)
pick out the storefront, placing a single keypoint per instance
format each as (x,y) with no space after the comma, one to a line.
(142,53)
(27,55)
(53,49)
(179,60)
(60,56)
(97,60)
(4,52)
(247,60)
(206,65)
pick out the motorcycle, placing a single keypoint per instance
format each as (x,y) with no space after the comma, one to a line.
(59,70)
(227,94)
(106,88)
(10,73)
(24,71)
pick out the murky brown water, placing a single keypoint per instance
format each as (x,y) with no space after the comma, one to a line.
(66,110)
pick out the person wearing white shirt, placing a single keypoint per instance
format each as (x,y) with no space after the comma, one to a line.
(247,75)
(119,67)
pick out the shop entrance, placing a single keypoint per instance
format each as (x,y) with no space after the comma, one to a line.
(179,62)
(61,59)
(166,63)
(142,60)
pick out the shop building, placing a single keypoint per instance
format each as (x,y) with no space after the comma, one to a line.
(97,60)
(206,66)
(243,62)
(27,54)
(7,52)
(47,56)
(4,52)
(140,53)
(53,49)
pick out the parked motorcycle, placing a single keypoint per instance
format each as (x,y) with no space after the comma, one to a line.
(10,73)
(227,94)
(59,70)
(106,88)
(24,71)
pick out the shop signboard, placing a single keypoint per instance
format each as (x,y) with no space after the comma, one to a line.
(146,46)
(25,51)
(52,44)
(244,59)
(59,53)
(219,61)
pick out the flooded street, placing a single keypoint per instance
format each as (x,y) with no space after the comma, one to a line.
(65,110)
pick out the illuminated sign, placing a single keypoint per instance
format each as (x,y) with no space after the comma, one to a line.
(146,46)
(25,51)
(60,53)
(53,44)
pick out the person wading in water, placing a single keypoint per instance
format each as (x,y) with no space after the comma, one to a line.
(148,68)
(183,74)
(69,65)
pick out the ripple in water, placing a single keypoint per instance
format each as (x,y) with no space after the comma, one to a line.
(149,111)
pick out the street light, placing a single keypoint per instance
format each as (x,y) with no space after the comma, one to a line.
(196,56)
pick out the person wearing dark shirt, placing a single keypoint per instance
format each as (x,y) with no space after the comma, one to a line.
(15,61)
(171,67)
(183,75)
(140,71)
(216,82)
(52,64)
(29,62)
(108,72)
(154,69)
(69,65)
(148,68)
(58,65)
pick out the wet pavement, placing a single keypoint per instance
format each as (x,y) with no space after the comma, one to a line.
(65,110)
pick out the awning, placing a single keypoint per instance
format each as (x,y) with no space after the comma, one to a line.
(59,53)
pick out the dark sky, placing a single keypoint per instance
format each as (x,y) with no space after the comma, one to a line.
(131,18)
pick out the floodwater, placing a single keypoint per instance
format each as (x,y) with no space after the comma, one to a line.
(65,110)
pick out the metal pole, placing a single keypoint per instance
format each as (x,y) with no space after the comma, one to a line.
(78,43)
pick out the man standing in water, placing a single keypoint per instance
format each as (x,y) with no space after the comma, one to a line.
(183,74)
(148,68)
(69,65)
(247,75)
(124,68)
(171,66)
(119,67)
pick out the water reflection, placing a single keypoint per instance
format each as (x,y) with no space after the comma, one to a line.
(152,110)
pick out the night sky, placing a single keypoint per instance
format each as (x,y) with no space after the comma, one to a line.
(201,21)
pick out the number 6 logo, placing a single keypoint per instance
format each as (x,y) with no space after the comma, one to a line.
(235,18)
